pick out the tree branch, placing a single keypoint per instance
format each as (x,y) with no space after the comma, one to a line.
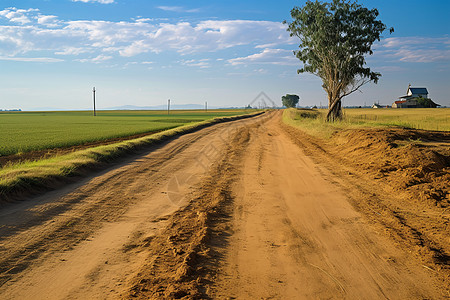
(362,82)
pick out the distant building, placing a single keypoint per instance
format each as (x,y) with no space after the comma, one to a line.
(410,99)
(376,105)
(410,103)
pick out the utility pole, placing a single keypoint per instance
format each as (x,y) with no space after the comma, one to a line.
(93,92)
(168,106)
(206,106)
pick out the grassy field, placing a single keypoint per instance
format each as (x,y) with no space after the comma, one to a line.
(414,118)
(28,131)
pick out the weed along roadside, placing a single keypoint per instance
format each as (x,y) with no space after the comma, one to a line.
(32,177)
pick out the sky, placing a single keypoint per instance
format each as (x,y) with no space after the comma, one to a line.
(141,53)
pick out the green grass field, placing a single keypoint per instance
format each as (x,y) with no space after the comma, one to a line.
(28,131)
(415,118)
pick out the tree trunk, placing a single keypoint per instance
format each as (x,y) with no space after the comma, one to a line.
(334,110)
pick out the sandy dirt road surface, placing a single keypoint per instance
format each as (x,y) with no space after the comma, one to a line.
(235,210)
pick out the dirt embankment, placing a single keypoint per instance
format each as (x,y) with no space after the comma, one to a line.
(401,181)
(413,162)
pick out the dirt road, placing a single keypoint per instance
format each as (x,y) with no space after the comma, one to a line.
(237,207)
(297,237)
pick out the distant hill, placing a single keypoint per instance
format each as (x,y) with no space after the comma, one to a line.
(157,107)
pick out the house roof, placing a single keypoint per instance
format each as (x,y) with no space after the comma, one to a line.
(416,91)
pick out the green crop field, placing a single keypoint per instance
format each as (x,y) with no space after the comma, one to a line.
(28,131)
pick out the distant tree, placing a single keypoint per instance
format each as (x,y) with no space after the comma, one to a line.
(425,102)
(290,100)
(334,38)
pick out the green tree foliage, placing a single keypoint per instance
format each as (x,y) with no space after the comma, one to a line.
(425,102)
(334,39)
(290,100)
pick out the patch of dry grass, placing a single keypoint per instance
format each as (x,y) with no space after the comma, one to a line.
(313,121)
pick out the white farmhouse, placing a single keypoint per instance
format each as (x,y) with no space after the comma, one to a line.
(410,99)
(414,92)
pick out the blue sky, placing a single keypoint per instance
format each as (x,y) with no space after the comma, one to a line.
(52,52)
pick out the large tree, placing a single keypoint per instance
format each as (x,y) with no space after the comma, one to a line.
(334,39)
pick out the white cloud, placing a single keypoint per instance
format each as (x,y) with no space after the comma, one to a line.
(422,55)
(178,9)
(144,20)
(266,46)
(16,15)
(135,48)
(101,58)
(47,33)
(416,49)
(207,36)
(48,20)
(201,63)
(95,60)
(73,51)
(93,1)
(267,56)
(32,59)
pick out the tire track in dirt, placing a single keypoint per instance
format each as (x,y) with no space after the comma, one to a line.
(269,223)
(182,259)
(296,235)
(78,241)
